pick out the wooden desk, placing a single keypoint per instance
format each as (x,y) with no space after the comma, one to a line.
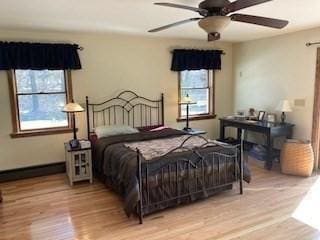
(270,130)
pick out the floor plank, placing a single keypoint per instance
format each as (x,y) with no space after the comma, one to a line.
(48,208)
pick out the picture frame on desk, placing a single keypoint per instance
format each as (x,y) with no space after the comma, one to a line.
(261,115)
(272,118)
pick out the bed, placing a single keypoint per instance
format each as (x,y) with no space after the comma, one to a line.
(158,167)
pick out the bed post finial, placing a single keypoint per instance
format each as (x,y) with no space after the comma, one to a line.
(162,108)
(88,120)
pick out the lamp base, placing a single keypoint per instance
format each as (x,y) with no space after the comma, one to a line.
(74,143)
(187,129)
(283,118)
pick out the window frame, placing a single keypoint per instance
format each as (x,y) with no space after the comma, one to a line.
(16,130)
(211,101)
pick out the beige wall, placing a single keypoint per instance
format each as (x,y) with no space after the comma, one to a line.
(111,63)
(268,70)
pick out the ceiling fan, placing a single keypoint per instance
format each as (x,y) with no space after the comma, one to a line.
(215,16)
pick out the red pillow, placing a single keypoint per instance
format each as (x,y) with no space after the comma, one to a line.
(93,138)
(148,128)
(158,128)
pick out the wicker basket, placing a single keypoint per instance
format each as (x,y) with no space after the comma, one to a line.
(297,158)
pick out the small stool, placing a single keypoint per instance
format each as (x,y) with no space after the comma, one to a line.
(297,158)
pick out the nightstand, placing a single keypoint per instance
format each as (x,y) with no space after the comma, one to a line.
(195,132)
(78,164)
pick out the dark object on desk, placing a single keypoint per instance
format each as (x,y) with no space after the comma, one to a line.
(271,130)
(252,112)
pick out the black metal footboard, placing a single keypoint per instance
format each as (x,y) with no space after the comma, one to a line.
(187,175)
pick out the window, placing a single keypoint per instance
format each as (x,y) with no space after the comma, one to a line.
(199,85)
(37,98)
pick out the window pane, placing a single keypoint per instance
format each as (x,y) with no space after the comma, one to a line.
(201,97)
(194,79)
(33,81)
(42,111)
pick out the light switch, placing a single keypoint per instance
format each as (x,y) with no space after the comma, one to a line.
(299,102)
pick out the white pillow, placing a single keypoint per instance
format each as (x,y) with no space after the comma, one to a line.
(107,131)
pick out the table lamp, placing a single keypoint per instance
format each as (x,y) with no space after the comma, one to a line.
(72,108)
(284,106)
(187,100)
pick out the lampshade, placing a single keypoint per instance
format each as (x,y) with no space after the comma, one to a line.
(214,24)
(187,100)
(284,106)
(72,107)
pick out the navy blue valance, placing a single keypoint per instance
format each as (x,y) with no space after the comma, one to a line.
(39,56)
(192,59)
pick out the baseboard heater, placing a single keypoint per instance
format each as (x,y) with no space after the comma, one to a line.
(33,171)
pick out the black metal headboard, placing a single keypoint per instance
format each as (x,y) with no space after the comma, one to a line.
(128,108)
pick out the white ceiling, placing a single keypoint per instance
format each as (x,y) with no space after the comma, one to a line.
(138,16)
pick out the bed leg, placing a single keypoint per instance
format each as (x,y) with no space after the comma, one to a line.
(241,187)
(139,175)
(140,213)
(241,170)
(241,162)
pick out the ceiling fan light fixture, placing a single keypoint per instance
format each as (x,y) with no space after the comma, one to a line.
(214,24)
(215,16)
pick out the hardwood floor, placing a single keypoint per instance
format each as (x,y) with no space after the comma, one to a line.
(48,208)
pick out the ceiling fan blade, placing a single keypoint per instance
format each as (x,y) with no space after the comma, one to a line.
(241,4)
(173,25)
(263,21)
(199,10)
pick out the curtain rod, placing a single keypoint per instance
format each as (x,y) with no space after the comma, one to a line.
(223,53)
(80,48)
(309,44)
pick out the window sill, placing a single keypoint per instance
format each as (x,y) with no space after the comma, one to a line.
(196,118)
(42,132)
